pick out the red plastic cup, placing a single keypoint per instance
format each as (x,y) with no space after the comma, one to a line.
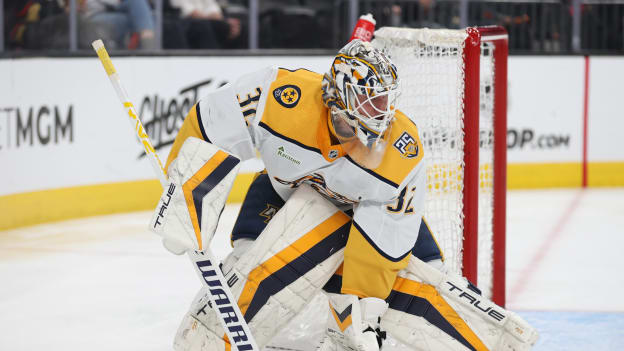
(364,28)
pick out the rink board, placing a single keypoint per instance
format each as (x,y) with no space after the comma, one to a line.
(70,151)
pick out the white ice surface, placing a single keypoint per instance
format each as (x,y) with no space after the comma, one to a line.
(106,283)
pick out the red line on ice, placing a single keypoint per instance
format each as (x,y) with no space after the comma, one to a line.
(555,234)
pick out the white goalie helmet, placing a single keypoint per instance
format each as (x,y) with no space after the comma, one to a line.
(361,89)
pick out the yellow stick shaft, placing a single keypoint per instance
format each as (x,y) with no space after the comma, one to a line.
(206,266)
(157,165)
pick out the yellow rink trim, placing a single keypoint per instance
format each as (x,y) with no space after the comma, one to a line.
(563,175)
(605,174)
(37,207)
(544,175)
(24,209)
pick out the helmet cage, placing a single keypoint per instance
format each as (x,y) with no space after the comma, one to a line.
(373,107)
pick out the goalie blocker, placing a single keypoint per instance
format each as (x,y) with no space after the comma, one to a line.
(200,180)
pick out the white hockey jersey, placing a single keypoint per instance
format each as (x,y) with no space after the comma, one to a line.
(280,114)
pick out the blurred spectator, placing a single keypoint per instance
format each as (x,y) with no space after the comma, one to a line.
(602,26)
(327,23)
(121,18)
(415,14)
(203,25)
(425,15)
(513,16)
(44,24)
(289,24)
(491,16)
(36,25)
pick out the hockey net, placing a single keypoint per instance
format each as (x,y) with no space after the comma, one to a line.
(453,85)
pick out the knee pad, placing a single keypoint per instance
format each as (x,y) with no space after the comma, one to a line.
(353,323)
(197,331)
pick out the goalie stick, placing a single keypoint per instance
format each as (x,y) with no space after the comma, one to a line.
(210,274)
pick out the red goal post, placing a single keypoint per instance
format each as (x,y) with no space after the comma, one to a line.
(454,87)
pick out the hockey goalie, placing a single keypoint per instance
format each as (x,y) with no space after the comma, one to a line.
(338,210)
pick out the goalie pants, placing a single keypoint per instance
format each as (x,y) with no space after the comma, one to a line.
(262,202)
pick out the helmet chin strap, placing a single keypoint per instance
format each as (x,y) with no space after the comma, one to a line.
(338,116)
(372,138)
(371,142)
(366,148)
(367,136)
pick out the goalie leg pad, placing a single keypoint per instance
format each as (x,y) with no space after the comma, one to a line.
(200,179)
(296,254)
(193,335)
(431,310)
(299,250)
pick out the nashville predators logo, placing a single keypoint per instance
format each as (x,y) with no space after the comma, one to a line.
(317,182)
(407,146)
(287,95)
(269,212)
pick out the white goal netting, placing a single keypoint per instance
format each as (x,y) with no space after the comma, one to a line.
(430,64)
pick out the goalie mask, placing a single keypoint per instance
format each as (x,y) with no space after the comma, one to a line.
(361,89)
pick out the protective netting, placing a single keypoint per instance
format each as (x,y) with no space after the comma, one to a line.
(431,71)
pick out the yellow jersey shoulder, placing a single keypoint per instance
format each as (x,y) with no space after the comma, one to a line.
(294,106)
(404,151)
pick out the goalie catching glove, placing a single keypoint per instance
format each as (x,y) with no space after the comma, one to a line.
(200,179)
